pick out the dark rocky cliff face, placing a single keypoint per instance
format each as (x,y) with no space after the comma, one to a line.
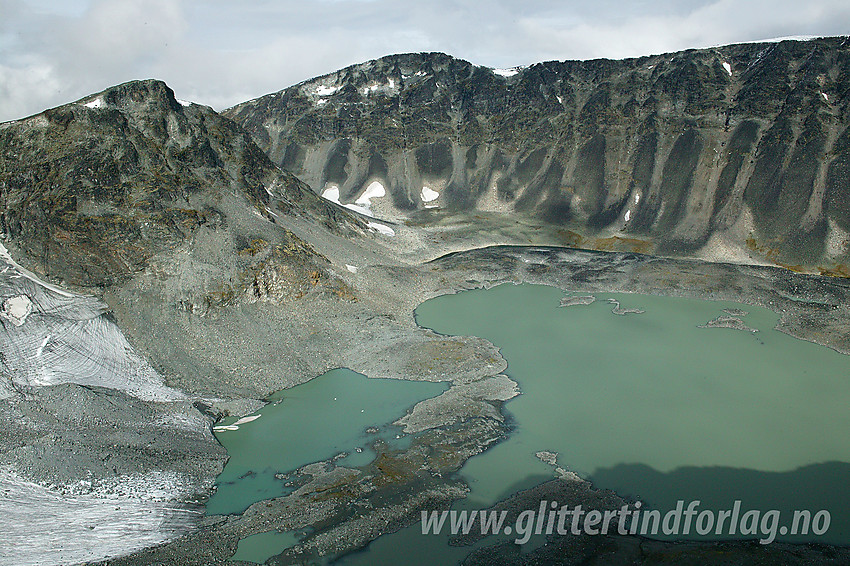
(91,191)
(731,153)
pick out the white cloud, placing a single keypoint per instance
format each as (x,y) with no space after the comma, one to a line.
(26,90)
(713,23)
(220,52)
(61,55)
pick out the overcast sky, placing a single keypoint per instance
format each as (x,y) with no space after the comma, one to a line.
(221,52)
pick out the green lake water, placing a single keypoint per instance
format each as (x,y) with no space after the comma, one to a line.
(649,405)
(308,423)
(260,547)
(604,390)
(653,406)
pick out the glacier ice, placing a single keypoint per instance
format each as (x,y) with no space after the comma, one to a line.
(51,336)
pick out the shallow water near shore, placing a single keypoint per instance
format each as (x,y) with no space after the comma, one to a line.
(309,423)
(654,407)
(338,412)
(262,546)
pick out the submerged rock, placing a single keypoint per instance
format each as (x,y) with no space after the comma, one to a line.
(728,322)
(621,311)
(572,301)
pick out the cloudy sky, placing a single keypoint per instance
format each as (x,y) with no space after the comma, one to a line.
(220,52)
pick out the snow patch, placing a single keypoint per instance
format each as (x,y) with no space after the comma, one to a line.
(351,268)
(637,198)
(246,420)
(825,96)
(383,229)
(16,309)
(332,194)
(375,87)
(768,40)
(728,67)
(628,215)
(323,90)
(96,103)
(428,194)
(183,102)
(507,72)
(560,98)
(374,190)
(237,424)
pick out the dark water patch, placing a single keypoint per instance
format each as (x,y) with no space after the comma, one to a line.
(807,490)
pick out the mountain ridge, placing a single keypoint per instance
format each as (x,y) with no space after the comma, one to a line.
(94,189)
(734,153)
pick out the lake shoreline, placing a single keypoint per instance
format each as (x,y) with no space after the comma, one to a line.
(378,336)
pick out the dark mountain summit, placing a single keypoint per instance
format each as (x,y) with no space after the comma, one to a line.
(91,191)
(721,153)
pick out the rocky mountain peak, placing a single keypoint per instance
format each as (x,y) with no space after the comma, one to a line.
(92,190)
(150,95)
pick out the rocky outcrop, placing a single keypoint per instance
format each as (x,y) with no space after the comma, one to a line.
(176,221)
(91,191)
(735,153)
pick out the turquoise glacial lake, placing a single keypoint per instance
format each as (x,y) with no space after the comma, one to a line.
(315,421)
(652,406)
